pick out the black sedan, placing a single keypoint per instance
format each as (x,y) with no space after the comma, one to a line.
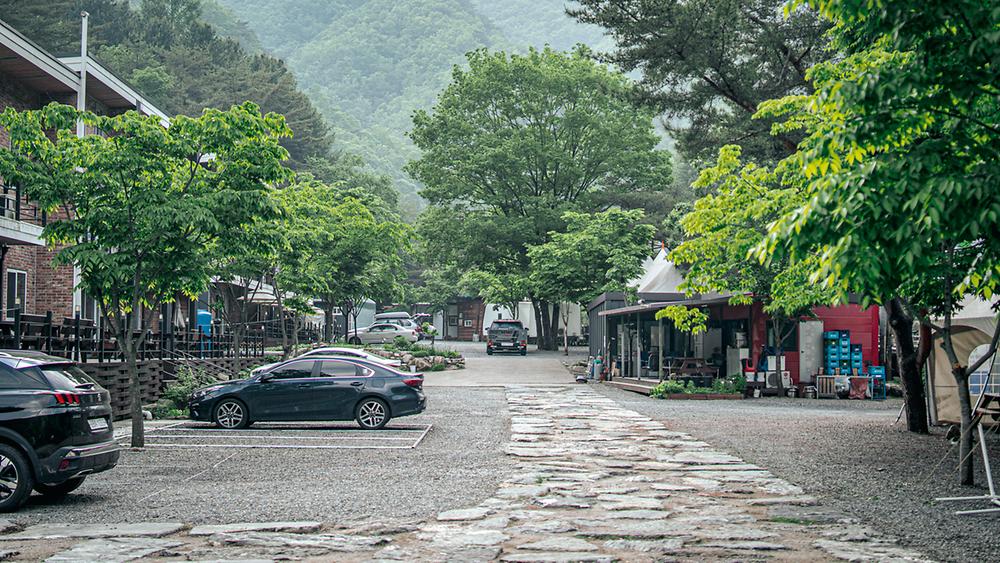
(313,388)
(55,427)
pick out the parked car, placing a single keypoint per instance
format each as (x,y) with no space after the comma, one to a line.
(402,319)
(507,336)
(55,427)
(338,352)
(314,388)
(381,333)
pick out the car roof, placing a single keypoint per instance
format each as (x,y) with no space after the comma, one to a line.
(29,358)
(397,315)
(360,361)
(507,321)
(334,350)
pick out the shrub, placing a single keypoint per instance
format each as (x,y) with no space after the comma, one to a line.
(437,367)
(720,386)
(177,393)
(402,343)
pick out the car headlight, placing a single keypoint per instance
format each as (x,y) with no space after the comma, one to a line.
(205,391)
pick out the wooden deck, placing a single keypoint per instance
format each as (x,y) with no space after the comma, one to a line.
(643,386)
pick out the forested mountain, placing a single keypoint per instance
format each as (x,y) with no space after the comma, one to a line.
(368,64)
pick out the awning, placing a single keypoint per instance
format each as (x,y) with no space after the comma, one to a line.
(644,307)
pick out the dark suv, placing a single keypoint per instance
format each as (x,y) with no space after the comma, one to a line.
(55,427)
(507,336)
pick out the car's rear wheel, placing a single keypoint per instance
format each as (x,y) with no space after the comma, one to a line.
(231,414)
(524,351)
(16,478)
(489,351)
(60,490)
(372,413)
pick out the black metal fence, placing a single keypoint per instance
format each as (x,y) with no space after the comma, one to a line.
(84,340)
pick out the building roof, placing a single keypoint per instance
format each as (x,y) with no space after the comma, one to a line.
(28,63)
(111,90)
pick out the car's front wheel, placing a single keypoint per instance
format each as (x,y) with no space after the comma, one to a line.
(60,490)
(354,340)
(231,414)
(372,413)
(16,478)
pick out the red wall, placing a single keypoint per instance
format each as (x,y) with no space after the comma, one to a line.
(863,324)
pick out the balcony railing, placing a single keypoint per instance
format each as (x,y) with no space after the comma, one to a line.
(13,205)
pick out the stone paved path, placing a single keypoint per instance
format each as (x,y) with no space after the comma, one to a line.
(595,482)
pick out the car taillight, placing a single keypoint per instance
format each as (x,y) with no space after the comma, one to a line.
(524,343)
(67,398)
(415,382)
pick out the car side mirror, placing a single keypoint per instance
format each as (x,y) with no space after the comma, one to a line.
(265,377)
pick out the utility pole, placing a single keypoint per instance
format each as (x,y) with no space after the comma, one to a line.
(81,94)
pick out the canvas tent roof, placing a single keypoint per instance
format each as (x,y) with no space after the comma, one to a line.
(972,328)
(660,276)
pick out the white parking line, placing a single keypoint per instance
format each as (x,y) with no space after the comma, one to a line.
(174,436)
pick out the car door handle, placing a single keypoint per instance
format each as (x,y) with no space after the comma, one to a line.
(357,383)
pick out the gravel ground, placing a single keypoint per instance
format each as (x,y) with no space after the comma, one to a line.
(459,463)
(850,454)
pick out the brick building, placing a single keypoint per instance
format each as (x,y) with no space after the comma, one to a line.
(31,78)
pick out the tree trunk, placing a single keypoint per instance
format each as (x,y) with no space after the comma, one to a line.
(565,320)
(286,350)
(553,336)
(545,329)
(537,307)
(965,474)
(328,322)
(128,347)
(909,367)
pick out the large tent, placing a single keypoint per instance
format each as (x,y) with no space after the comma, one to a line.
(972,329)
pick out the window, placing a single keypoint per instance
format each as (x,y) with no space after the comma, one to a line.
(88,307)
(297,370)
(791,341)
(67,377)
(17,285)
(333,368)
(29,378)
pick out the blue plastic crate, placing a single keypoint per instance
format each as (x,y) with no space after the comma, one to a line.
(856,348)
(832,335)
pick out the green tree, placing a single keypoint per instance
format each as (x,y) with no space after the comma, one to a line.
(900,159)
(599,252)
(340,252)
(722,229)
(708,64)
(516,141)
(141,203)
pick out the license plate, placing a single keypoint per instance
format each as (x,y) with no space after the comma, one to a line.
(97,424)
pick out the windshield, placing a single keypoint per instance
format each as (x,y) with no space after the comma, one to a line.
(67,377)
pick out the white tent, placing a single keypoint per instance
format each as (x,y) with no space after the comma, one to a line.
(659,278)
(972,329)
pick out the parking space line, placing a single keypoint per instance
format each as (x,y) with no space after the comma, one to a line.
(190,477)
(262,436)
(178,435)
(282,447)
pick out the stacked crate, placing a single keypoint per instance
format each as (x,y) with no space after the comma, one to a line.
(840,356)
